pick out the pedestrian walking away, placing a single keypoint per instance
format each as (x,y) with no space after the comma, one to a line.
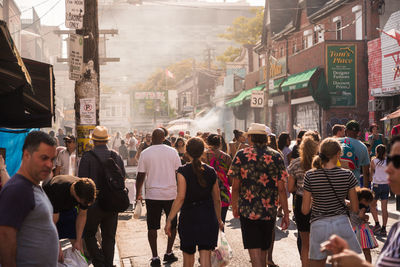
(390,254)
(97,216)
(328,186)
(157,170)
(199,201)
(259,176)
(28,236)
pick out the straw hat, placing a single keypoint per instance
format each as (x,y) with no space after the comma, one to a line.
(257,128)
(100,133)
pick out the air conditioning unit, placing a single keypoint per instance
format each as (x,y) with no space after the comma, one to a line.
(376,105)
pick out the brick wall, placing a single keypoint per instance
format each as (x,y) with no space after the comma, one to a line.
(251,80)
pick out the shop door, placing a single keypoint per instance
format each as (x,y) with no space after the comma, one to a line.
(307,117)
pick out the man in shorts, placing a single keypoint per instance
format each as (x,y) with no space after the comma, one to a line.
(259,176)
(157,169)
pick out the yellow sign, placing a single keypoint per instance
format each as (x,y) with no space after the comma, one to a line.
(83,138)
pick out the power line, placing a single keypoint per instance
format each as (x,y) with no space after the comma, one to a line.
(23,11)
(39,17)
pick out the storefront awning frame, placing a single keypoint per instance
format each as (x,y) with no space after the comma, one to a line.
(298,80)
(244,95)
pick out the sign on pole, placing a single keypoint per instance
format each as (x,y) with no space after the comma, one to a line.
(257,99)
(75,56)
(88,111)
(74,11)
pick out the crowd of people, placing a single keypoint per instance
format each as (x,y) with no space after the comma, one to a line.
(195,181)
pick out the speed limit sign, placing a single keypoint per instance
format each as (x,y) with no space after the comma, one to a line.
(257,99)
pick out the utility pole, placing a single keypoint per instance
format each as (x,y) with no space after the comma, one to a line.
(88,87)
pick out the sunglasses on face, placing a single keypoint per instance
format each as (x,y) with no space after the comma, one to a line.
(395,160)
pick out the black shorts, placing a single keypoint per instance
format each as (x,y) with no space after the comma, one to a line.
(302,221)
(66,225)
(192,249)
(257,233)
(154,210)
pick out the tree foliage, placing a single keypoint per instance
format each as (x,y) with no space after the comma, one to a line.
(246,30)
(243,31)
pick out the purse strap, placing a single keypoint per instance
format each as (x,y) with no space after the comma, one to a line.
(337,197)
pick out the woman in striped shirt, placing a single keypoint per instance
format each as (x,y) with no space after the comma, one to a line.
(390,254)
(328,185)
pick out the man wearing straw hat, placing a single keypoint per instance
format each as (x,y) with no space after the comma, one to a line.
(259,176)
(90,167)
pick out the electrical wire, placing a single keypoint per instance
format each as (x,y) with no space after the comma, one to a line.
(48,11)
(23,11)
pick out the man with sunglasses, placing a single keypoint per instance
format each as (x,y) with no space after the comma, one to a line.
(66,159)
(70,197)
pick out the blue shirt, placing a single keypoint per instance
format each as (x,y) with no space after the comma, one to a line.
(361,152)
(25,207)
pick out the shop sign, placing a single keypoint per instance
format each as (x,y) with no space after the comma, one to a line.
(150,95)
(257,99)
(74,11)
(341,73)
(83,138)
(75,56)
(277,69)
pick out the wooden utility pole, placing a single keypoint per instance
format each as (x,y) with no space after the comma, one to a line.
(88,87)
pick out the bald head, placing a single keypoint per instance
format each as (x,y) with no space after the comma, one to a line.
(158,136)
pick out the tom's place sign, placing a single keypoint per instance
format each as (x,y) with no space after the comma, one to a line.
(341,67)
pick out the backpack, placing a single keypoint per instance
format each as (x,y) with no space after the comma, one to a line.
(349,159)
(113,195)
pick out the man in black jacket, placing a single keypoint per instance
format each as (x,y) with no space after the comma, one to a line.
(90,167)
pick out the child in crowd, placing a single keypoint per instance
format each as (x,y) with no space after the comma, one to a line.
(364,234)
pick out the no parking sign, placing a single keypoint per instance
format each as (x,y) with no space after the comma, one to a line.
(88,111)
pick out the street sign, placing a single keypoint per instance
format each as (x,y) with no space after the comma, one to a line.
(75,56)
(88,111)
(257,99)
(74,11)
(270,103)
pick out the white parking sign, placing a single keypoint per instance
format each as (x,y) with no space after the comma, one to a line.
(257,99)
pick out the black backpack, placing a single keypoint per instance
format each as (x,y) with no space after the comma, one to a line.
(113,195)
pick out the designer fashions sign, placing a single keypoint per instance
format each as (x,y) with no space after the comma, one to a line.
(341,69)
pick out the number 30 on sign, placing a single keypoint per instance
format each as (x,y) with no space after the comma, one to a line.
(257,99)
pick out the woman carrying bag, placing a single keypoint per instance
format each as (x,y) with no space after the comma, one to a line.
(328,186)
(200,204)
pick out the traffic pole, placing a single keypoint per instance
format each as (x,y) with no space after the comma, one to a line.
(87,89)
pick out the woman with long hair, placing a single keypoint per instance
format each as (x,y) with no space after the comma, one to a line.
(239,142)
(283,145)
(297,169)
(328,186)
(180,147)
(199,200)
(380,186)
(221,162)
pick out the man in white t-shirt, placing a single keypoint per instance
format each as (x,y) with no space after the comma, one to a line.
(157,170)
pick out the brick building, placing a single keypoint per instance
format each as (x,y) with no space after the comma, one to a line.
(384,74)
(322,44)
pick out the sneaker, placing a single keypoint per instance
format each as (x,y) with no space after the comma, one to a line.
(383,231)
(155,262)
(376,229)
(170,258)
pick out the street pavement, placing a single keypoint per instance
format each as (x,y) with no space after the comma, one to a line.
(135,251)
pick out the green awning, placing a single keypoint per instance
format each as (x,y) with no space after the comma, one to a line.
(277,83)
(244,95)
(298,81)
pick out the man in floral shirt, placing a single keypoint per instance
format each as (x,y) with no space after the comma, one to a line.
(259,177)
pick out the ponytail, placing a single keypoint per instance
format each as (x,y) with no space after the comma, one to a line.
(328,149)
(195,148)
(380,153)
(198,170)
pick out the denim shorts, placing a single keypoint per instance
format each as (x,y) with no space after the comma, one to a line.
(381,191)
(322,229)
